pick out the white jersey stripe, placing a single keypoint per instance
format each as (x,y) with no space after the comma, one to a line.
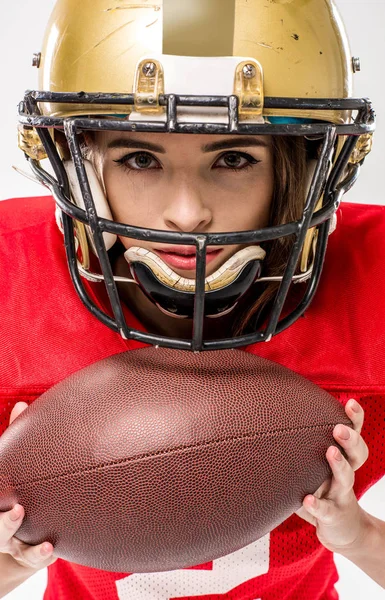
(227,573)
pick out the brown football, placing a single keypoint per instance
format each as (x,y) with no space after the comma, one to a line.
(159,459)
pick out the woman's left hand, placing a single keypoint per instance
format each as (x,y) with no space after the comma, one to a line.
(333,509)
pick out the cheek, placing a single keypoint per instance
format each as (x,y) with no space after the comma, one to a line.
(245,202)
(252,213)
(260,201)
(128,197)
(123,199)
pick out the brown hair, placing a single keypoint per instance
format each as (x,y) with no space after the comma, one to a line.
(290,179)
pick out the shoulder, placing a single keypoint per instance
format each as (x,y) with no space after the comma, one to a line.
(347,317)
(20,213)
(355,213)
(358,226)
(356,253)
(31,244)
(339,341)
(47,332)
(30,239)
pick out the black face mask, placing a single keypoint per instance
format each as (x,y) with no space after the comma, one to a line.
(327,183)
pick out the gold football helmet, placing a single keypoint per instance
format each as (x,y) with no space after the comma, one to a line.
(280,67)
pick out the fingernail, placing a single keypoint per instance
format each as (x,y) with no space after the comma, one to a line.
(337,454)
(343,432)
(313,503)
(45,550)
(15,513)
(354,406)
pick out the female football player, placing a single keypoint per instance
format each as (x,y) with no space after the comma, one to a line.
(199,153)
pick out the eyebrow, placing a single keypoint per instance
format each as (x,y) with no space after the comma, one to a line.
(241,142)
(133,143)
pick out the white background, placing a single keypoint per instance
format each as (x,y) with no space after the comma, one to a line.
(21,30)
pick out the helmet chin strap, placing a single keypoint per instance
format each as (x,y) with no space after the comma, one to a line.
(174,295)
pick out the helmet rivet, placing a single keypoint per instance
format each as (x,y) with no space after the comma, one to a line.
(356,64)
(36,59)
(149,69)
(249,71)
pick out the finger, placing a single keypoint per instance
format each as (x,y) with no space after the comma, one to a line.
(10,522)
(321,509)
(306,516)
(356,414)
(356,449)
(17,410)
(35,557)
(323,489)
(343,476)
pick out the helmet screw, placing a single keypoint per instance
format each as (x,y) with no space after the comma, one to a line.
(149,69)
(249,71)
(36,60)
(356,64)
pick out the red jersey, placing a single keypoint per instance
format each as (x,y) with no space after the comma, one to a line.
(47,334)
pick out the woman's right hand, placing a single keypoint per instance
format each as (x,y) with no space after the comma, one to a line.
(31,557)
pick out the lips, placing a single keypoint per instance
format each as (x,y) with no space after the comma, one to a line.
(184,258)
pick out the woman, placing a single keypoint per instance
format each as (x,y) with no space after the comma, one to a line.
(191,169)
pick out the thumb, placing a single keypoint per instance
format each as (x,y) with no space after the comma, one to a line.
(306,516)
(17,410)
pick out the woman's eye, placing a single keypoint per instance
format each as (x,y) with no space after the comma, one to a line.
(139,161)
(235,160)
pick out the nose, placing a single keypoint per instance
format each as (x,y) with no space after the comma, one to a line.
(186,210)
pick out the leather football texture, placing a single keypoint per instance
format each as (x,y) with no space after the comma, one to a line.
(159,459)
